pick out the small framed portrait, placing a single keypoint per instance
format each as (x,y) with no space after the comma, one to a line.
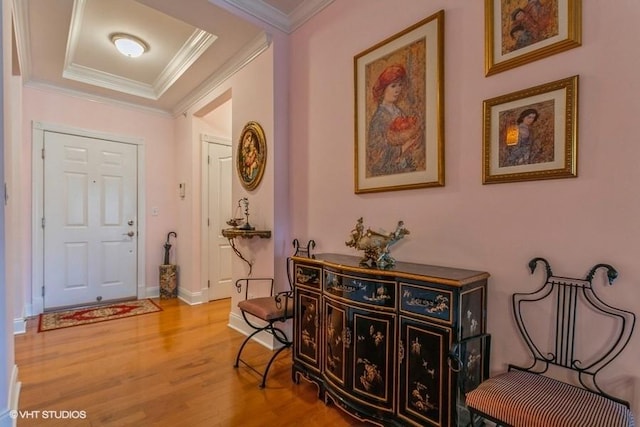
(399,135)
(532,134)
(522,31)
(251,155)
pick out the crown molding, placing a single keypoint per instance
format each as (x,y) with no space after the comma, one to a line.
(247,54)
(244,56)
(282,21)
(94,77)
(23,40)
(191,50)
(38,85)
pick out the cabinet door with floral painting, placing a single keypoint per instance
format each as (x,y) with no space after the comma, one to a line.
(373,371)
(336,342)
(424,375)
(307,329)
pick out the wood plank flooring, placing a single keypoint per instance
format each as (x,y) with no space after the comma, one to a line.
(172,368)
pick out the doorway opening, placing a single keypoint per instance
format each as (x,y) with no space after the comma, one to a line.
(214,123)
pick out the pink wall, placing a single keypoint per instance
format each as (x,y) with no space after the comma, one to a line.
(575,223)
(157,131)
(252,100)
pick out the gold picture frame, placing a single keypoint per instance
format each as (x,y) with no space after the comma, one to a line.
(251,155)
(532,134)
(399,110)
(521,31)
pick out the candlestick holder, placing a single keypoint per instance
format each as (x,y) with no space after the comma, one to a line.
(245,202)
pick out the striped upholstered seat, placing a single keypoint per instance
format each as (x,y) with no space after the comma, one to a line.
(524,399)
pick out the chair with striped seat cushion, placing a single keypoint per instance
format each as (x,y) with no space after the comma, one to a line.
(562,325)
(520,398)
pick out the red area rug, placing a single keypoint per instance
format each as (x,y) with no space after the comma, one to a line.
(86,315)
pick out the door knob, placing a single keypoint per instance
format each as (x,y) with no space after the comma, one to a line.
(130,222)
(130,234)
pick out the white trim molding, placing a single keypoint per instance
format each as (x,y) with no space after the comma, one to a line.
(8,415)
(19,326)
(243,57)
(236,321)
(193,48)
(287,21)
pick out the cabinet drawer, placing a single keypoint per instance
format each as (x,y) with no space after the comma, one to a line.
(308,276)
(432,303)
(372,292)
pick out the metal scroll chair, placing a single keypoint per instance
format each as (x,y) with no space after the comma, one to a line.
(563,325)
(268,313)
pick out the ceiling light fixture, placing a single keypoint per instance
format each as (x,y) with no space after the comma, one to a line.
(129,45)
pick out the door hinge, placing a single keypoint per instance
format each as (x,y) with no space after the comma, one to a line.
(208,222)
(6,195)
(208,283)
(208,159)
(43,153)
(43,222)
(43,291)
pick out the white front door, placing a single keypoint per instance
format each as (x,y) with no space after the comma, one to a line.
(90,220)
(220,169)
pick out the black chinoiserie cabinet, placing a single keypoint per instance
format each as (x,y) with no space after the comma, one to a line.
(394,347)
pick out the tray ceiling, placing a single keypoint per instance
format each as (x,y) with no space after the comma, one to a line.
(193,45)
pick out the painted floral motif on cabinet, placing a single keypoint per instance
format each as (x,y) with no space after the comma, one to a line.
(337,339)
(373,371)
(424,374)
(308,325)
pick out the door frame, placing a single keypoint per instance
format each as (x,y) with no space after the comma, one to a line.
(37,207)
(205,140)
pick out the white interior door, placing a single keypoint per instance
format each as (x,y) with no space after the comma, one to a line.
(220,168)
(90,220)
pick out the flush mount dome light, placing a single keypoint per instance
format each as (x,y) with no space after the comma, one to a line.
(129,45)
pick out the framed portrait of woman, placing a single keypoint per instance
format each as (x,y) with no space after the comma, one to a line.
(251,155)
(532,134)
(522,31)
(399,132)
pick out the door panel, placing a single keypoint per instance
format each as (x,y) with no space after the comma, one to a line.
(90,220)
(220,170)
(425,377)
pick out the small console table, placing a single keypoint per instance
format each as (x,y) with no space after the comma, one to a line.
(396,347)
(232,233)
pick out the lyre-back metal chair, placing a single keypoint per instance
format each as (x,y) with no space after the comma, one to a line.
(562,337)
(269,313)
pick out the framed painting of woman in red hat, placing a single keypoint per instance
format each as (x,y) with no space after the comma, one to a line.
(399,142)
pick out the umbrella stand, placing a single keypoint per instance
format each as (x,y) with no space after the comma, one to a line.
(168,273)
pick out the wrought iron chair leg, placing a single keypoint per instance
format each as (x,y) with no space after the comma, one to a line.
(279,335)
(246,340)
(271,360)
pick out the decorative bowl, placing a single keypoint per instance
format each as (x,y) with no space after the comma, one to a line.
(234,222)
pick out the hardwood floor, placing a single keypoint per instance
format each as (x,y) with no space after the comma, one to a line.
(172,368)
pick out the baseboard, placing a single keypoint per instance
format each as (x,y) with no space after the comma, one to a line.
(150,292)
(191,298)
(7,417)
(19,326)
(236,321)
